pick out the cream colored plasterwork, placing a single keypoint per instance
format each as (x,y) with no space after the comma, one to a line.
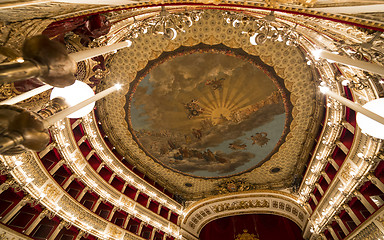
(75,160)
(359,158)
(10,234)
(287,61)
(370,229)
(89,124)
(32,176)
(255,202)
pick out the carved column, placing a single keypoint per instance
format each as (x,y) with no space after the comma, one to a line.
(57,166)
(76,123)
(308,207)
(112,213)
(159,209)
(124,187)
(96,205)
(126,221)
(81,140)
(90,154)
(364,201)
(47,149)
(83,192)
(100,167)
(153,233)
(379,184)
(169,214)
(342,147)
(326,177)
(342,226)
(81,234)
(314,198)
(148,202)
(57,230)
(35,222)
(69,181)
(332,232)
(348,126)
(140,228)
(321,191)
(137,195)
(333,163)
(16,209)
(351,214)
(111,178)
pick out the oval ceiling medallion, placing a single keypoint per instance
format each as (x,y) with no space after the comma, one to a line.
(207,114)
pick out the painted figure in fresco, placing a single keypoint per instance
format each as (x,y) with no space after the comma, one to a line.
(207,155)
(260,139)
(237,145)
(193,108)
(216,84)
(197,133)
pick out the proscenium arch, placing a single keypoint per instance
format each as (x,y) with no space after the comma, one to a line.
(277,203)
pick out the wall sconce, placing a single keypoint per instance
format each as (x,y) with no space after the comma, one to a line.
(22,130)
(369,117)
(49,61)
(44,59)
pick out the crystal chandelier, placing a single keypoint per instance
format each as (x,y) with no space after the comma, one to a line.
(166,24)
(364,51)
(266,28)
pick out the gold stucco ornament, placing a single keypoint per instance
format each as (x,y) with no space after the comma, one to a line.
(307,3)
(246,236)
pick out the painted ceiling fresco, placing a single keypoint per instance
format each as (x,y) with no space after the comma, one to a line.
(207,114)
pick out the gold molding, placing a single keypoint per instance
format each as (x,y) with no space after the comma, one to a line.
(263,201)
(232,5)
(218,198)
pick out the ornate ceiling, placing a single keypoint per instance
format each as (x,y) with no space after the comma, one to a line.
(204,113)
(207,114)
(286,65)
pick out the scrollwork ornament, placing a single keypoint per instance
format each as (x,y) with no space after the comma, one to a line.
(34,202)
(67,225)
(16,187)
(222,207)
(83,234)
(234,186)
(4,170)
(364,51)
(50,215)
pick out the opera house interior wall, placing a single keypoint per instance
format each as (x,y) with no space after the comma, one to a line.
(214,119)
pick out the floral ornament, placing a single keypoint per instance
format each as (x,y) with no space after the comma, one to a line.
(234,186)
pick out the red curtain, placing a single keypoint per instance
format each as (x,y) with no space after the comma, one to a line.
(264,226)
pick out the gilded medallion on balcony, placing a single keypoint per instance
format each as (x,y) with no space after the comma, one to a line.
(246,236)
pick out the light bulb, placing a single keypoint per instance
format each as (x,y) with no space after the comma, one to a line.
(368,125)
(74,94)
(316,53)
